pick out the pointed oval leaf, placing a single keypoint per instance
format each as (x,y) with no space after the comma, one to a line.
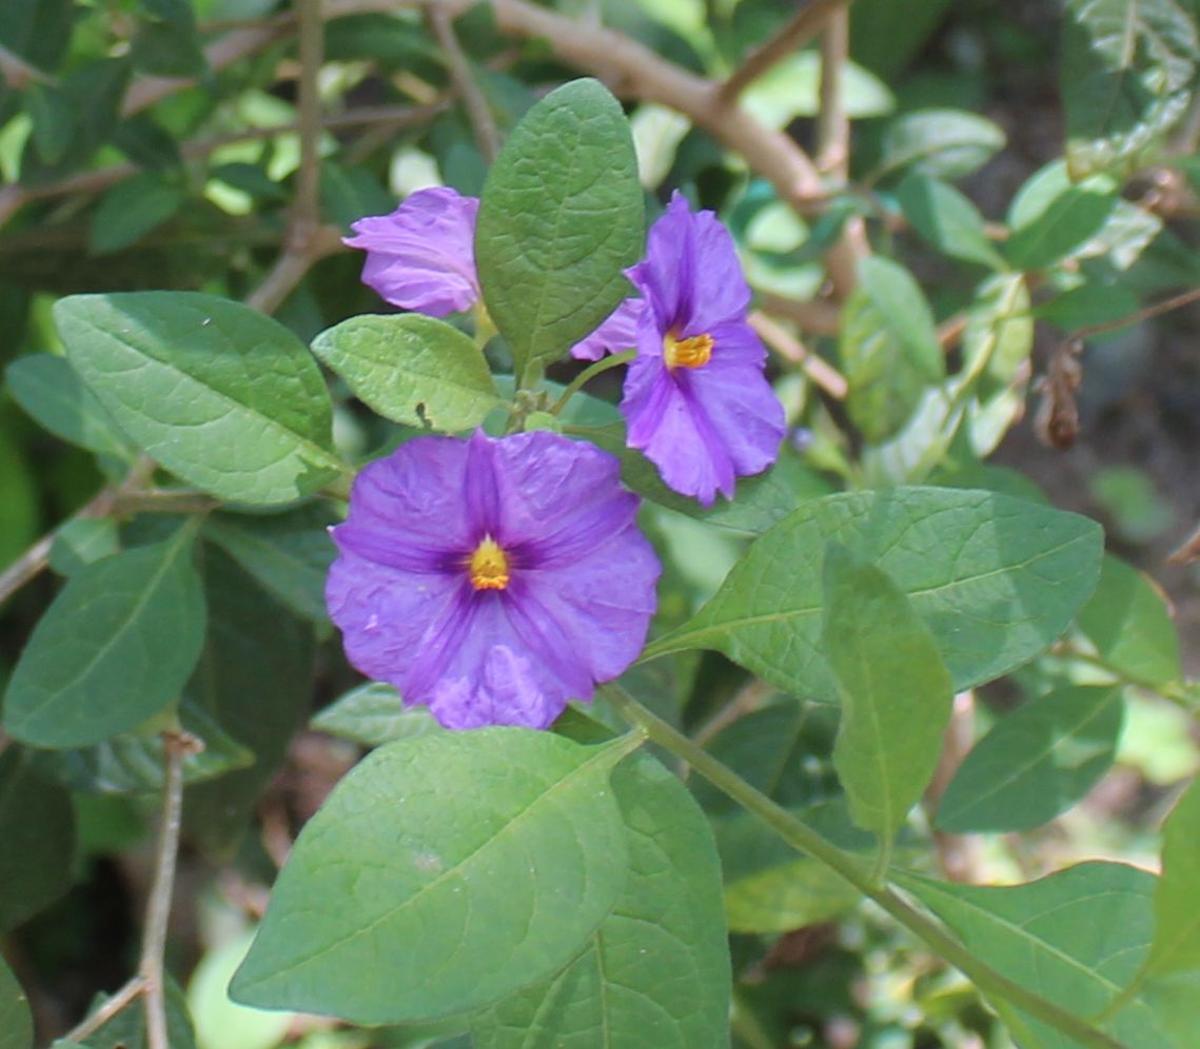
(16,1023)
(995,579)
(1045,936)
(441,875)
(115,647)
(221,395)
(374,714)
(411,369)
(656,974)
(947,219)
(562,215)
(1035,763)
(1176,946)
(895,691)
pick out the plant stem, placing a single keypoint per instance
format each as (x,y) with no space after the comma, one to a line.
(118,1001)
(176,745)
(614,360)
(805,839)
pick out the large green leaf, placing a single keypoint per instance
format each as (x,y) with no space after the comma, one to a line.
(411,369)
(254,679)
(288,553)
(115,647)
(1127,68)
(995,579)
(16,1024)
(1036,763)
(1128,622)
(1076,938)
(221,395)
(442,874)
(37,829)
(655,974)
(1176,946)
(896,693)
(562,215)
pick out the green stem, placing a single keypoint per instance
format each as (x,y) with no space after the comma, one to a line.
(588,374)
(804,838)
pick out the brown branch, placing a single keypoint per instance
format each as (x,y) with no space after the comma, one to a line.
(804,25)
(479,113)
(108,1009)
(1156,309)
(815,316)
(784,343)
(19,74)
(833,122)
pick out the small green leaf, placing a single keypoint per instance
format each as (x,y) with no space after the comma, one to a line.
(37,827)
(82,541)
(1128,622)
(115,647)
(996,580)
(16,1023)
(130,210)
(1176,945)
(1051,217)
(1035,763)
(906,315)
(50,390)
(1076,938)
(999,335)
(221,395)
(947,219)
(655,974)
(288,553)
(896,693)
(53,121)
(945,143)
(127,1029)
(166,42)
(561,217)
(411,369)
(374,714)
(441,875)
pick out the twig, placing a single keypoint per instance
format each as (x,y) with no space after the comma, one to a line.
(833,123)
(19,74)
(803,26)
(784,343)
(118,1001)
(290,269)
(815,316)
(1146,313)
(176,746)
(479,113)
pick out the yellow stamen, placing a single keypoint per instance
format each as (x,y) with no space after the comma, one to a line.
(488,566)
(692,352)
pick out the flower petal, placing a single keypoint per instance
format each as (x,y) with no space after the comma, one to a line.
(617,333)
(422,256)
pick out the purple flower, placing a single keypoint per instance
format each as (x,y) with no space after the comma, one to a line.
(615,335)
(492,579)
(422,256)
(696,400)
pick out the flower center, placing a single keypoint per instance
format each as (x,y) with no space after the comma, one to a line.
(692,352)
(488,566)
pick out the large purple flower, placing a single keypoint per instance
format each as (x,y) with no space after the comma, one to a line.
(422,256)
(696,400)
(492,579)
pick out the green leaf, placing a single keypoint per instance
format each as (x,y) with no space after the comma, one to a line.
(374,714)
(288,553)
(995,579)
(1035,763)
(254,648)
(946,219)
(16,1023)
(114,648)
(1176,944)
(82,541)
(37,827)
(166,42)
(998,338)
(1128,622)
(50,390)
(896,693)
(792,88)
(221,395)
(411,369)
(945,143)
(561,216)
(1051,217)
(1126,74)
(448,871)
(130,210)
(656,973)
(889,348)
(53,121)
(1076,938)
(127,1029)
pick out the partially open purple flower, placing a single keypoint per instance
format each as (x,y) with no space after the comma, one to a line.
(492,579)
(422,256)
(696,400)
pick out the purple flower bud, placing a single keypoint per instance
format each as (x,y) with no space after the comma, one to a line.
(492,579)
